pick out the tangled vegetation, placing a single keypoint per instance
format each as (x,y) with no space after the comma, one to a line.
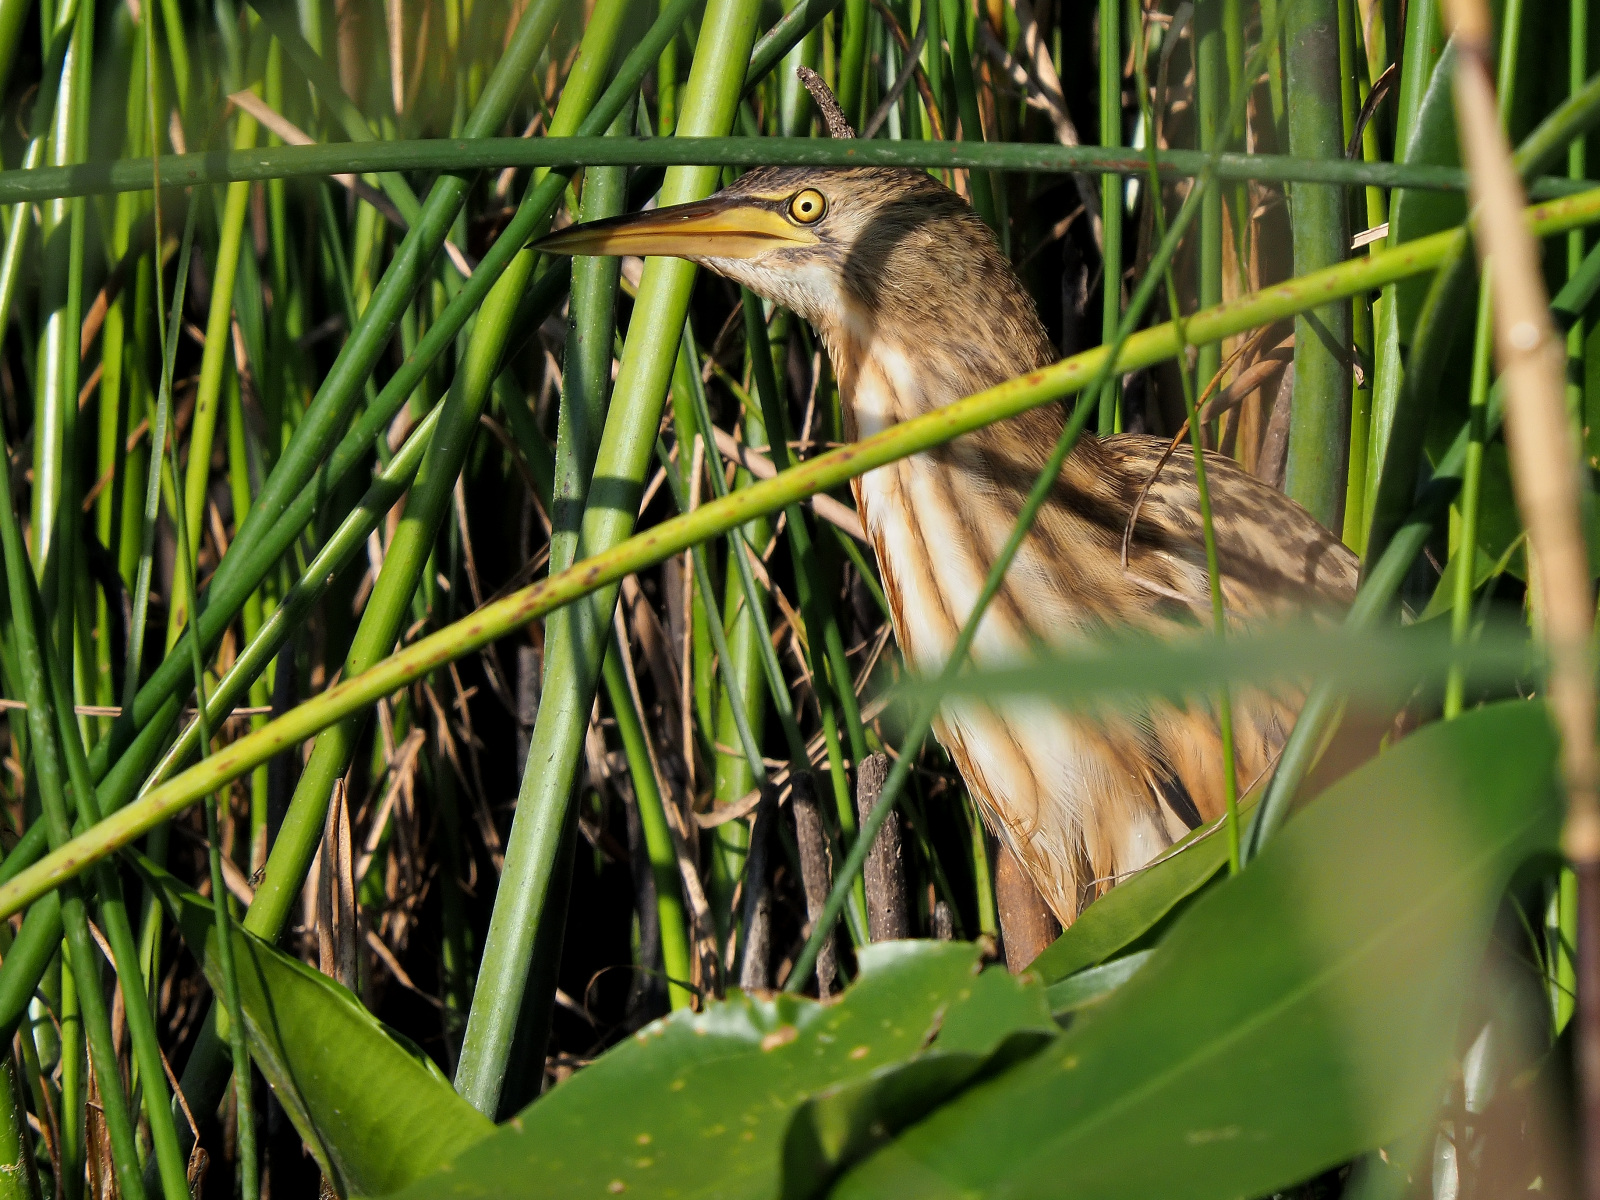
(448,684)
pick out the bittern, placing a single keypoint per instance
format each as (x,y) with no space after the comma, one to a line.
(918,307)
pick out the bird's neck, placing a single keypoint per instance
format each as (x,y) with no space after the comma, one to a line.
(890,372)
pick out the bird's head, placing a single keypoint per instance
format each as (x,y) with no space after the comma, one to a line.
(863,253)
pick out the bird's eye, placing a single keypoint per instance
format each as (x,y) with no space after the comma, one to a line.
(808,206)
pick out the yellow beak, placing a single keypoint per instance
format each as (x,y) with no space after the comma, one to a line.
(715,228)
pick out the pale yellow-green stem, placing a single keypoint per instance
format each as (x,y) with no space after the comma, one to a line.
(213,362)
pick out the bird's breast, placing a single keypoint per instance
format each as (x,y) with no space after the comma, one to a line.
(937,522)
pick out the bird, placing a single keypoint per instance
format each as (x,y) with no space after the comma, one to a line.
(918,307)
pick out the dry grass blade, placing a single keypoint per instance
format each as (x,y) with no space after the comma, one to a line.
(761,467)
(338,950)
(911,51)
(1042,88)
(295,136)
(1381,87)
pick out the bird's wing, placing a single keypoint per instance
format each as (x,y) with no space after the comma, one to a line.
(1276,561)
(1162,764)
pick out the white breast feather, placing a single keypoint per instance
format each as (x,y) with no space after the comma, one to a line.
(1035,740)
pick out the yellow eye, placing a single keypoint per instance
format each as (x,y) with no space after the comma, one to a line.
(808,206)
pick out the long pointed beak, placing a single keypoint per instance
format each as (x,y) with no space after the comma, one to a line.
(715,228)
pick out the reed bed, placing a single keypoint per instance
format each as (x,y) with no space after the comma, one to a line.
(406,633)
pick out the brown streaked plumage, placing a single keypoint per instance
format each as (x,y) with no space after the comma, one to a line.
(918,308)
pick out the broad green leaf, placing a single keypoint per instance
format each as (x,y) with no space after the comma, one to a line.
(1299,1013)
(1133,908)
(762,1097)
(1373,663)
(1417,212)
(374,1111)
(1093,984)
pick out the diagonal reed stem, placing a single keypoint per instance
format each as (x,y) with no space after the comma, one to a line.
(1072,375)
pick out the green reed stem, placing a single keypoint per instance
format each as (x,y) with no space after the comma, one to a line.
(82,953)
(1466,555)
(493,620)
(667,85)
(170,328)
(1421,44)
(982,184)
(31,950)
(218,349)
(1577,168)
(73,1102)
(574,635)
(1111,192)
(793,111)
(17,1180)
(853,41)
(113,460)
(1369,316)
(534,846)
(214,360)
(1352,83)
(13,15)
(1319,432)
(1209,82)
(741,701)
(589,149)
(673,924)
(221,902)
(56,364)
(124,950)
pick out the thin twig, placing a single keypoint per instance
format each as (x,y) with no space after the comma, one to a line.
(912,68)
(1040,83)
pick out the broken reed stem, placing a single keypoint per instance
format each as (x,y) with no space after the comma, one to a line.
(1547,485)
(884,872)
(755,911)
(816,873)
